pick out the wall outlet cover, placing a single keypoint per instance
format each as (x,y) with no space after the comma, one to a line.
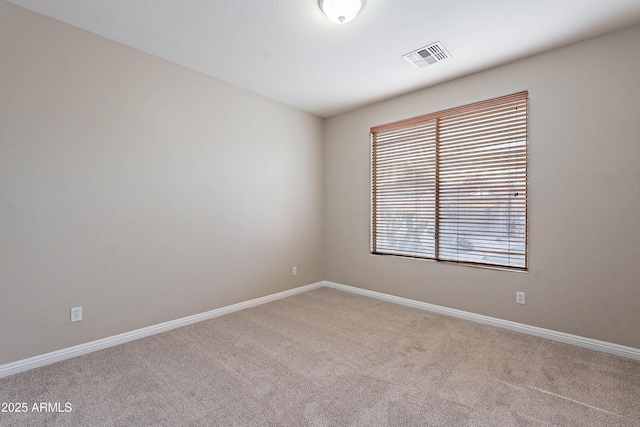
(76,314)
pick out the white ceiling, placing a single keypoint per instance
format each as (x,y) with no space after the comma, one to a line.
(287,50)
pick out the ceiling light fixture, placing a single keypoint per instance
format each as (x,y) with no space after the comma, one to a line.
(341,11)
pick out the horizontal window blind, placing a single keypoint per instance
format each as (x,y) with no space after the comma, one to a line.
(452,186)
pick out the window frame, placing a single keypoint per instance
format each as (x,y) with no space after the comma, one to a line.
(522,97)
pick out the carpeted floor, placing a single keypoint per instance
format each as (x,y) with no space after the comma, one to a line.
(330,358)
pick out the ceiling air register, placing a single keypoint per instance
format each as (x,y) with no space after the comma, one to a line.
(427,55)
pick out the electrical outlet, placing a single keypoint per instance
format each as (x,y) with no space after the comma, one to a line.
(520,297)
(76,314)
(294,271)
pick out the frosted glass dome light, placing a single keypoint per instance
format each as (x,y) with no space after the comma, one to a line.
(341,11)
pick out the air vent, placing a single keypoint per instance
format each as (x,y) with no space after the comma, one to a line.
(427,55)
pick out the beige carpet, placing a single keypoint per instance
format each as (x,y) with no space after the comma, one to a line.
(330,358)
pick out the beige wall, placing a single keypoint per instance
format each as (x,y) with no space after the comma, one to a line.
(140,190)
(584,216)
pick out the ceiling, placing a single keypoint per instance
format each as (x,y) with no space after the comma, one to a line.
(287,50)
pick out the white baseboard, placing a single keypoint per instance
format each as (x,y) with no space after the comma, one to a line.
(78,350)
(603,346)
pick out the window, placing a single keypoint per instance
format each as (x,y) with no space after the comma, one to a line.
(452,186)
